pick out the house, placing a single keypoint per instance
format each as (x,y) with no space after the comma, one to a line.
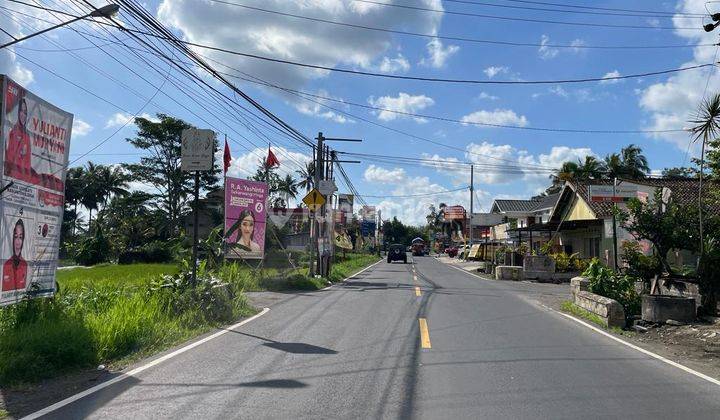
(523,218)
(583,221)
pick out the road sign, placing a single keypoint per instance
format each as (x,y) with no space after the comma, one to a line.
(197,149)
(314,199)
(605,193)
(327,186)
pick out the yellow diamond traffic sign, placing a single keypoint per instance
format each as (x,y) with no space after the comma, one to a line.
(314,200)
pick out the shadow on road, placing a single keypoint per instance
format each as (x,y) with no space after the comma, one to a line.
(295,348)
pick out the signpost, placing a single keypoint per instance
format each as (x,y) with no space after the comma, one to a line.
(326,186)
(314,200)
(197,149)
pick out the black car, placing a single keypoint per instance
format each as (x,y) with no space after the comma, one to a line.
(396,252)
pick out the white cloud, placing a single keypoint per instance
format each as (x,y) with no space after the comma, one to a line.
(80,128)
(487,96)
(8,59)
(546,52)
(315,108)
(380,175)
(608,75)
(438,54)
(674,102)
(120,118)
(402,103)
(398,64)
(497,117)
(227,26)
(576,44)
(493,71)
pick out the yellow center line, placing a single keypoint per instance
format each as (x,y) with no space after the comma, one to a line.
(424,334)
(417,291)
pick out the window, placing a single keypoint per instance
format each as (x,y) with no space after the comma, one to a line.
(593,247)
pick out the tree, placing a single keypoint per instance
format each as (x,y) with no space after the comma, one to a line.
(634,163)
(161,141)
(307,175)
(614,166)
(288,187)
(111,182)
(90,195)
(267,174)
(74,186)
(591,168)
(681,172)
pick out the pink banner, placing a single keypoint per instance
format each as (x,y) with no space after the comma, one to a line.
(245,218)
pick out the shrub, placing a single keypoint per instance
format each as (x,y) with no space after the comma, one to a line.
(605,282)
(565,262)
(93,249)
(639,264)
(153,252)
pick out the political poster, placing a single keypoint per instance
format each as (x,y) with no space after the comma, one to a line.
(454,213)
(345,208)
(36,142)
(245,218)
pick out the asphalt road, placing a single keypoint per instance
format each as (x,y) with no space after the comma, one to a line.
(361,350)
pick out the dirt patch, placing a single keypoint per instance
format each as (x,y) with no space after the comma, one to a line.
(695,345)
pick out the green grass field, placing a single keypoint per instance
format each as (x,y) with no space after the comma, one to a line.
(112,276)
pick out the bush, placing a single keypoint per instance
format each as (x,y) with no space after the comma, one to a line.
(639,264)
(565,263)
(93,249)
(153,252)
(604,282)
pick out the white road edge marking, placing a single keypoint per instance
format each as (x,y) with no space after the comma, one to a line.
(139,369)
(640,349)
(349,277)
(621,341)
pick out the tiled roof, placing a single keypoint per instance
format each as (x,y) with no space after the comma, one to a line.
(546,202)
(684,191)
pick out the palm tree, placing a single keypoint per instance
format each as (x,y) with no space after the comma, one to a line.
(614,166)
(288,187)
(567,172)
(591,168)
(706,128)
(74,190)
(90,196)
(635,164)
(112,181)
(306,176)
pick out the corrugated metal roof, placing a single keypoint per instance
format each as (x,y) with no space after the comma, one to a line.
(527,206)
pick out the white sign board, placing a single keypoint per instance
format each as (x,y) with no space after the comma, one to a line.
(327,186)
(605,192)
(197,150)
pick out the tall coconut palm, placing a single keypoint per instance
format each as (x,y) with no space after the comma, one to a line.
(591,168)
(567,172)
(614,166)
(706,128)
(288,187)
(306,176)
(74,186)
(112,181)
(635,164)
(90,196)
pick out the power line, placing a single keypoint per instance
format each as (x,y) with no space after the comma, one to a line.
(528,20)
(417,195)
(457,38)
(604,12)
(602,8)
(170,37)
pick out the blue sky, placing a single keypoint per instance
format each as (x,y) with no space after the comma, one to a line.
(650,103)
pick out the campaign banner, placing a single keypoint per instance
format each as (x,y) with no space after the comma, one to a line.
(368,213)
(345,208)
(36,144)
(245,218)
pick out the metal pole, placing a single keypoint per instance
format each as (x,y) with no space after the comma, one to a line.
(472,189)
(318,176)
(614,222)
(195,228)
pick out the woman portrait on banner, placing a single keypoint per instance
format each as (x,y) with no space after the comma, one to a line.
(18,153)
(246,238)
(15,269)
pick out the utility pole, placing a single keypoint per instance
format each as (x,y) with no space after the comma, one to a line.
(315,263)
(614,222)
(472,189)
